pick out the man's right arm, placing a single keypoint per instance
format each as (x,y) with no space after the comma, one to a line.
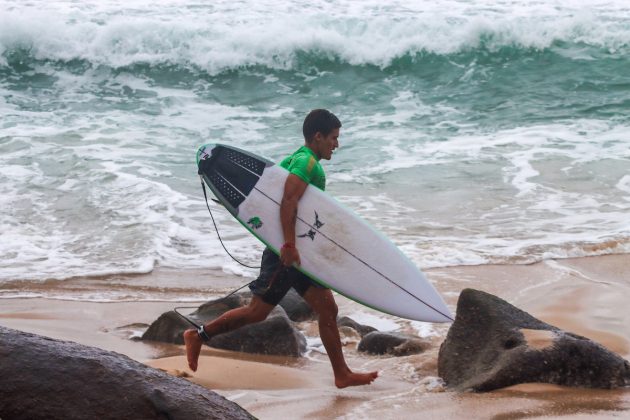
(294,188)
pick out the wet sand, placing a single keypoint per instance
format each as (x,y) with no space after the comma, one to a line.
(587,296)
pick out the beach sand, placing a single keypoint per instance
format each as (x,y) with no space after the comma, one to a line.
(587,296)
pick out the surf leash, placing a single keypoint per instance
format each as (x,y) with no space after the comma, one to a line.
(198,327)
(205,195)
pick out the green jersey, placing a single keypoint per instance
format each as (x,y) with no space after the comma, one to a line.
(306,166)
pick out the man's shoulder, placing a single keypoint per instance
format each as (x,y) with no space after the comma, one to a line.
(304,164)
(301,157)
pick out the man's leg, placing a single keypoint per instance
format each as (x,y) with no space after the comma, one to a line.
(256,311)
(323,303)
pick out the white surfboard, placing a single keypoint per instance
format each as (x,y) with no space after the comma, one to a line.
(337,248)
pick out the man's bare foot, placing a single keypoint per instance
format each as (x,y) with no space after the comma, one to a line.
(193,348)
(355,379)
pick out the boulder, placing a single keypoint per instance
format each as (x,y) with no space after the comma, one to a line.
(493,344)
(345,321)
(215,308)
(394,344)
(42,378)
(296,308)
(349,335)
(170,326)
(167,328)
(275,336)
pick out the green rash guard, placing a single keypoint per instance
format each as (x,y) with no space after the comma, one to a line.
(306,166)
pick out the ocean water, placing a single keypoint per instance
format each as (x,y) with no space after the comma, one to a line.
(473,132)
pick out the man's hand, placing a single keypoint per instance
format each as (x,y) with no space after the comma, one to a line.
(289,256)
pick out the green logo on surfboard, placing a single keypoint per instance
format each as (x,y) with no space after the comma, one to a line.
(255,222)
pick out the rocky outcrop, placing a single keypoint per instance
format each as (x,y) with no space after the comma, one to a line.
(345,321)
(42,378)
(275,336)
(394,344)
(170,326)
(167,328)
(296,308)
(493,344)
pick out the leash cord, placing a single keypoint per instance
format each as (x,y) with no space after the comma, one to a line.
(184,317)
(205,195)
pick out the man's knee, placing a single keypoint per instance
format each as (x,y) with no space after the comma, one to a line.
(329,310)
(258,310)
(322,302)
(257,316)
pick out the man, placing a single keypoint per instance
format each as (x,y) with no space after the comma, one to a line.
(278,274)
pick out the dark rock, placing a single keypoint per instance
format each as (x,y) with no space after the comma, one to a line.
(168,328)
(348,335)
(276,335)
(394,344)
(486,348)
(345,321)
(296,308)
(215,308)
(42,378)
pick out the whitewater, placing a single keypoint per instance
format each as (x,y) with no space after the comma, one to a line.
(473,132)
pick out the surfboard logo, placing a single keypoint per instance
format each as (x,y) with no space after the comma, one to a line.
(311,233)
(255,222)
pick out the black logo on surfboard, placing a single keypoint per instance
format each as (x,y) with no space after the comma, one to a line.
(311,233)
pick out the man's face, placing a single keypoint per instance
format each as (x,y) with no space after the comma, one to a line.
(324,145)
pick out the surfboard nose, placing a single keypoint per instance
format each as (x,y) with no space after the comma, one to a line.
(205,152)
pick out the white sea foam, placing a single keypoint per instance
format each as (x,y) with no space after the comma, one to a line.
(624,185)
(137,221)
(515,195)
(424,329)
(380,322)
(97,167)
(219,36)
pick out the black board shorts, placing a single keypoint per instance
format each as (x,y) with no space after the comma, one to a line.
(275,280)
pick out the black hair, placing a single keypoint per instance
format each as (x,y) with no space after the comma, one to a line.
(319,121)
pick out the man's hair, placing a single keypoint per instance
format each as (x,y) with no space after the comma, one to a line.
(319,121)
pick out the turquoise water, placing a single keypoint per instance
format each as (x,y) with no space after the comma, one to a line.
(473,132)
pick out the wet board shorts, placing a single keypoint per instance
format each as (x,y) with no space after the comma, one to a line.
(273,283)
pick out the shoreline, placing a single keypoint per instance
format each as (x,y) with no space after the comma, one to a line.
(583,295)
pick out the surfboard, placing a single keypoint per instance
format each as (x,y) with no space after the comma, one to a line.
(338,249)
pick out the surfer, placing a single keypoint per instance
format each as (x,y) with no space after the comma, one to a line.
(278,274)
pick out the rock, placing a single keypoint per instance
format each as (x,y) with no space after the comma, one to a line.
(394,344)
(493,344)
(349,322)
(215,308)
(296,308)
(42,378)
(348,335)
(170,326)
(276,335)
(167,328)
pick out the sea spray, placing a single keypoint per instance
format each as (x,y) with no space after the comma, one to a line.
(477,133)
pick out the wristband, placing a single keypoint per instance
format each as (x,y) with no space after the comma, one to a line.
(288,245)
